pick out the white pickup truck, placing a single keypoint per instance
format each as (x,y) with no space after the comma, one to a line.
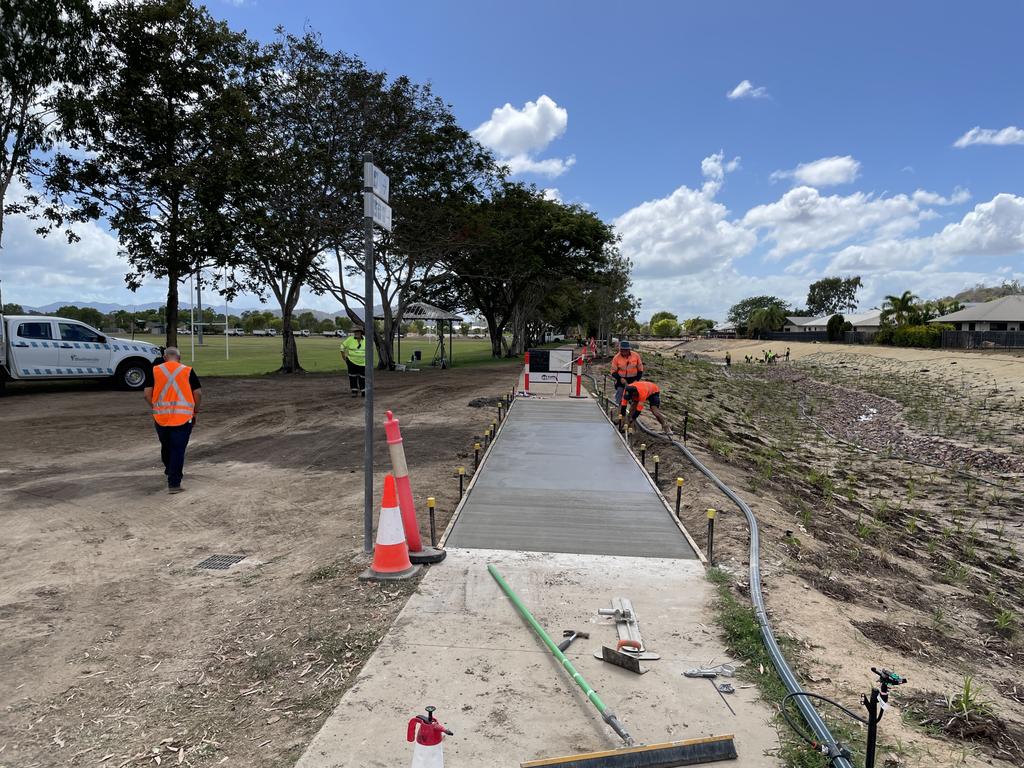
(36,348)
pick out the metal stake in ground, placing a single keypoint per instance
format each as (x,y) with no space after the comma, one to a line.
(711,536)
(679,494)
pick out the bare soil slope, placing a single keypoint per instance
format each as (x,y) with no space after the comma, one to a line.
(116,649)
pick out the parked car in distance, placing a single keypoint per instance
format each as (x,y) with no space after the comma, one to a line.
(261,332)
(236,332)
(304,332)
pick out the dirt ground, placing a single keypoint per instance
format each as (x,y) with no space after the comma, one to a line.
(116,649)
(892,533)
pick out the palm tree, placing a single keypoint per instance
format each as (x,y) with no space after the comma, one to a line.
(768,319)
(898,309)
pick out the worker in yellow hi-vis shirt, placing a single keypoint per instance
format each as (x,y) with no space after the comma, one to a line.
(353,352)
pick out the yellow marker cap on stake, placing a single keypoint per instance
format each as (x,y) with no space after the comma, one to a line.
(656,458)
(679,482)
(430,501)
(476,446)
(462,470)
(711,514)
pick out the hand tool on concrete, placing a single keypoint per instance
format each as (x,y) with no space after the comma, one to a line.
(715,686)
(663,755)
(725,670)
(620,658)
(628,628)
(570,635)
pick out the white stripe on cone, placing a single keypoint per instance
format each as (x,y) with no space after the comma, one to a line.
(389,528)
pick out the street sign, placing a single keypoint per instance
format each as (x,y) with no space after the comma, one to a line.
(376,209)
(374,179)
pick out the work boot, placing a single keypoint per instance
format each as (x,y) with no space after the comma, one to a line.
(175,489)
(355,393)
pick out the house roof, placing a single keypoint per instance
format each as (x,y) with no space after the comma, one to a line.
(872,317)
(1008,309)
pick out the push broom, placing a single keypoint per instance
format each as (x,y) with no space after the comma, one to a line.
(665,755)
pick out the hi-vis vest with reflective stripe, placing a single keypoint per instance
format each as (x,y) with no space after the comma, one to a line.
(173,401)
(645,389)
(627,366)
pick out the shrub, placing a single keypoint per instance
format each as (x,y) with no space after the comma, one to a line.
(835,327)
(919,335)
(666,327)
(885,335)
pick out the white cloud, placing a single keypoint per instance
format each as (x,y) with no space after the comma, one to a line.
(551,167)
(924,197)
(991,229)
(517,135)
(826,172)
(687,232)
(804,219)
(552,193)
(747,90)
(997,137)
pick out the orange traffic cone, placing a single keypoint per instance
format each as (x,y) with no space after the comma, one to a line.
(391,553)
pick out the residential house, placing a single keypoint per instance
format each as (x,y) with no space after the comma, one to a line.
(1005,314)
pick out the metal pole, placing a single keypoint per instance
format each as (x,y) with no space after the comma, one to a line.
(643,455)
(711,536)
(657,462)
(227,344)
(369,335)
(192,314)
(462,478)
(679,494)
(476,456)
(433,529)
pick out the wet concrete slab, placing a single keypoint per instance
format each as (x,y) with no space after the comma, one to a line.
(460,645)
(559,479)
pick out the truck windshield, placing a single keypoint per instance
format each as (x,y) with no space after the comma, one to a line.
(73,332)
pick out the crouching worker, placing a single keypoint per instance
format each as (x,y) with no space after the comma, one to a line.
(634,397)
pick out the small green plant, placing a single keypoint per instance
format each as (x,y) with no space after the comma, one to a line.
(1006,622)
(325,572)
(968,703)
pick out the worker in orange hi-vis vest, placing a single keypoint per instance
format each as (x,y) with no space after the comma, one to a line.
(174,392)
(627,367)
(641,392)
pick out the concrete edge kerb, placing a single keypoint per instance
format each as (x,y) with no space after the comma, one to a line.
(472,481)
(657,490)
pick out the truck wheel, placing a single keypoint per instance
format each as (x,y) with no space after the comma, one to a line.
(131,374)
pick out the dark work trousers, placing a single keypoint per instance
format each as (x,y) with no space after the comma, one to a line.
(173,442)
(620,388)
(356,376)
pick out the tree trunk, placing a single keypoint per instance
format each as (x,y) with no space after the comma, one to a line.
(384,340)
(495,332)
(289,351)
(199,308)
(171,317)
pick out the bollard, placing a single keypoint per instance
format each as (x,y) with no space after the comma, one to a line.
(657,461)
(711,536)
(679,494)
(433,529)
(643,455)
(686,425)
(462,477)
(476,456)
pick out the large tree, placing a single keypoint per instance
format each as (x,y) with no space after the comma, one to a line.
(832,295)
(739,313)
(436,170)
(899,310)
(154,139)
(519,248)
(44,56)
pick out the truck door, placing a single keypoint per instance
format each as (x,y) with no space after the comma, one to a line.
(83,351)
(34,348)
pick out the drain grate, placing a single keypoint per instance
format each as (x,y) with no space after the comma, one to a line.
(220,562)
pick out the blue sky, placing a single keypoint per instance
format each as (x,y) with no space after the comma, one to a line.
(835,155)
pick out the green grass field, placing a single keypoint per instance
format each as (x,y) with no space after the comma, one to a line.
(257,355)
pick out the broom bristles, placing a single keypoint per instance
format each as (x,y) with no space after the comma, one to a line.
(669,754)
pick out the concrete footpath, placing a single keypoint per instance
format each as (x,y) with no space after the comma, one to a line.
(460,645)
(567,515)
(559,479)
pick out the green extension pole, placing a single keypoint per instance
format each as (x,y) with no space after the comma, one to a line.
(607,714)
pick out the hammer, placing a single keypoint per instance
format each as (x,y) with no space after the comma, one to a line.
(570,635)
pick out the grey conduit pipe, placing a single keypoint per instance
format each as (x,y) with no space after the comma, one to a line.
(830,748)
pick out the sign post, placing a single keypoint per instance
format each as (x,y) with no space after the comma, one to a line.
(376,190)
